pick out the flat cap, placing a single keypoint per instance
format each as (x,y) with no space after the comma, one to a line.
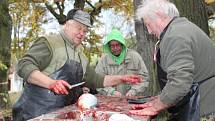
(80,16)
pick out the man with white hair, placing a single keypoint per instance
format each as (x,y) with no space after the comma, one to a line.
(185,60)
(54,63)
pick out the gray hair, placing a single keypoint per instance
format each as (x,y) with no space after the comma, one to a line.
(150,7)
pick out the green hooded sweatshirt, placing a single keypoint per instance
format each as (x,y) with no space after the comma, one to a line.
(115,34)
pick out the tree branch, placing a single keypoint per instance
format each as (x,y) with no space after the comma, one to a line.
(60,17)
(79,4)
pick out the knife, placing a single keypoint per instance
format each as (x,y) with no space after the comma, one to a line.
(139,100)
(75,85)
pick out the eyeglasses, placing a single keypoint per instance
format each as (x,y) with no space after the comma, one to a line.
(118,45)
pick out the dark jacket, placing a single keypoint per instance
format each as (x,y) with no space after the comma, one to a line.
(187,55)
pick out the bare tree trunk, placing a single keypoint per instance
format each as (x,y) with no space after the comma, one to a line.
(195,11)
(145,47)
(5,44)
(60,5)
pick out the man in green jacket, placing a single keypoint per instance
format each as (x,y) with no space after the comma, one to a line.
(185,61)
(52,64)
(118,59)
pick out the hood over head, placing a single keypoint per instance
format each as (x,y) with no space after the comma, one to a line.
(116,35)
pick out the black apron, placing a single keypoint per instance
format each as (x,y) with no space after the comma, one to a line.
(188,108)
(36,100)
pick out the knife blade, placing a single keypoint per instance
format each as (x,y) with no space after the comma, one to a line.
(139,100)
(75,85)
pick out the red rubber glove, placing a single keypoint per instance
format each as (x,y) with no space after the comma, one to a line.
(144,110)
(60,87)
(131,79)
(149,109)
(141,106)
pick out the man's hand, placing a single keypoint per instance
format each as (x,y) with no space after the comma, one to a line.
(131,79)
(144,110)
(86,90)
(149,109)
(60,87)
(112,80)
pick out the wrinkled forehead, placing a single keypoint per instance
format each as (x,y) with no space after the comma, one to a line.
(114,42)
(149,20)
(78,24)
